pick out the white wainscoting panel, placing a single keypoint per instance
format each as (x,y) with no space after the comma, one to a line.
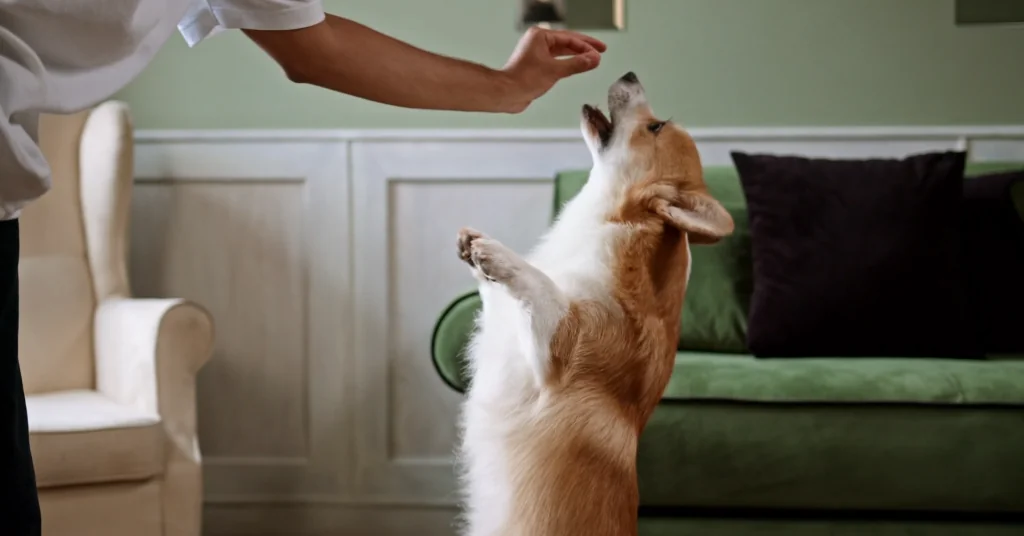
(259,234)
(326,257)
(420,278)
(406,425)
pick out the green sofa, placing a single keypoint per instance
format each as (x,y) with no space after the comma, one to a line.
(824,446)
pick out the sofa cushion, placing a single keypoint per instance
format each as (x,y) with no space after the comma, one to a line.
(82,437)
(721,282)
(857,257)
(714,315)
(830,433)
(994,248)
(833,433)
(898,457)
(834,380)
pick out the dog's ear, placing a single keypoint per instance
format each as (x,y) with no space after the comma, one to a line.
(702,217)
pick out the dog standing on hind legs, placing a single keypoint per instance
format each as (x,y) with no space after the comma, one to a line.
(575,343)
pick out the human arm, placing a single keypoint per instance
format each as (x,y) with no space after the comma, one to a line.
(348,57)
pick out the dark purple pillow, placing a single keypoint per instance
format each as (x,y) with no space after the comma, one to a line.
(994,259)
(857,258)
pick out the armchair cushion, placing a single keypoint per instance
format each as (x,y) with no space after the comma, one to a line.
(83,437)
(55,330)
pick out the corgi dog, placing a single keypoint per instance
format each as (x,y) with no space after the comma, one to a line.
(575,343)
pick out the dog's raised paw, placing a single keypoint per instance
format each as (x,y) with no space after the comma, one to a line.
(495,261)
(465,241)
(490,259)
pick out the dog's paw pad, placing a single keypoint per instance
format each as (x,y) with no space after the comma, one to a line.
(495,261)
(490,259)
(466,238)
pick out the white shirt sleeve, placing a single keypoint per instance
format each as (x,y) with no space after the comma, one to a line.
(208,17)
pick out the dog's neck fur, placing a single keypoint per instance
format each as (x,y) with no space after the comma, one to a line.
(577,244)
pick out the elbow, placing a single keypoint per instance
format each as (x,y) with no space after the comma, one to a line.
(297,74)
(303,55)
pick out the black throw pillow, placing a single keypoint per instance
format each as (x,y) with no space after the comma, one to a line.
(994,259)
(857,258)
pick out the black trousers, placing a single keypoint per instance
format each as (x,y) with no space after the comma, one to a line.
(19,501)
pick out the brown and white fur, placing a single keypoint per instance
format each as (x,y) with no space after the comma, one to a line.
(575,343)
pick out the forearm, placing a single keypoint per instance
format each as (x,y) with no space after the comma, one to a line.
(345,56)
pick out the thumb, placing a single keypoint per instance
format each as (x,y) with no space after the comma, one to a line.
(580,63)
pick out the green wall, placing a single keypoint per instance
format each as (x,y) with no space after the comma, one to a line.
(704,62)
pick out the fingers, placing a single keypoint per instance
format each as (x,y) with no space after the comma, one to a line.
(561,44)
(554,37)
(571,43)
(584,51)
(580,53)
(571,49)
(576,36)
(579,64)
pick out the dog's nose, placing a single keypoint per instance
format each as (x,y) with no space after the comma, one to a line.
(629,78)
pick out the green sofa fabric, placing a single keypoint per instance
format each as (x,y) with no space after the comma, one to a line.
(736,431)
(451,335)
(700,376)
(973,169)
(867,456)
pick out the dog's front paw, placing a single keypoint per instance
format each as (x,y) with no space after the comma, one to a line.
(495,261)
(490,259)
(466,237)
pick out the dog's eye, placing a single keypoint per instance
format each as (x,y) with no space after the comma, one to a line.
(655,127)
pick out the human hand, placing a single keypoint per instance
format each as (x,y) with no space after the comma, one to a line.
(542,58)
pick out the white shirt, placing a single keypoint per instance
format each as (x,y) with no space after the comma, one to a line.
(62,56)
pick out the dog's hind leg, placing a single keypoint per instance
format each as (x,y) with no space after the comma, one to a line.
(542,303)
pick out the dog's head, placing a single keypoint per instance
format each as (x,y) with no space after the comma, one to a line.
(654,160)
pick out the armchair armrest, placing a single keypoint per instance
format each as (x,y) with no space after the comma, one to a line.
(148,352)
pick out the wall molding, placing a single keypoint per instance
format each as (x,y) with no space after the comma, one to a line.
(288,154)
(563,134)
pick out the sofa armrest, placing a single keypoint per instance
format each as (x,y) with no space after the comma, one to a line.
(148,352)
(451,336)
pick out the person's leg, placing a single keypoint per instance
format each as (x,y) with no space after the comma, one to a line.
(19,502)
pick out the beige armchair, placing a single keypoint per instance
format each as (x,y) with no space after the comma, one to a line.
(109,379)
